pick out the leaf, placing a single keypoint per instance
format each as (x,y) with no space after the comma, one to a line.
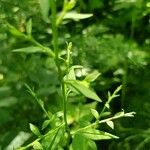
(76,16)
(87,92)
(8,101)
(19,140)
(31,49)
(34,129)
(37,146)
(119,114)
(71,74)
(110,124)
(45,124)
(44,6)
(14,31)
(94,134)
(79,142)
(29,27)
(68,5)
(92,76)
(95,113)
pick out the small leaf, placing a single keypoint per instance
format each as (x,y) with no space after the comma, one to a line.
(119,114)
(45,124)
(87,92)
(45,6)
(110,124)
(68,5)
(92,76)
(29,27)
(13,30)
(34,129)
(76,16)
(31,49)
(37,146)
(95,113)
(94,134)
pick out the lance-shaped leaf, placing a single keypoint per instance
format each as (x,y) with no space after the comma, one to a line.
(32,49)
(29,27)
(34,130)
(76,16)
(86,91)
(94,134)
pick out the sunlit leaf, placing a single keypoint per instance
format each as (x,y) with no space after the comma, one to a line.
(87,92)
(95,113)
(76,16)
(110,124)
(94,134)
(34,129)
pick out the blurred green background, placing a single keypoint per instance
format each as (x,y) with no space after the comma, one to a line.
(115,41)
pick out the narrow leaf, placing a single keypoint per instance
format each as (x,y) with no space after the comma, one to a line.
(94,134)
(29,27)
(87,92)
(45,124)
(34,129)
(76,16)
(31,49)
(95,113)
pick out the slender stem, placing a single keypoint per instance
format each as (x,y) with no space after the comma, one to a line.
(57,61)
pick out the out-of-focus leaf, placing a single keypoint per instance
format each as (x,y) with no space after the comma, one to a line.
(7,102)
(76,16)
(31,49)
(29,27)
(45,6)
(18,140)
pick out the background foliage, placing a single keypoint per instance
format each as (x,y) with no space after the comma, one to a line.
(115,41)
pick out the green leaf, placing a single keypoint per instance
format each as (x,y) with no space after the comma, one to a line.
(14,31)
(79,142)
(31,49)
(76,16)
(80,87)
(45,124)
(45,6)
(68,5)
(95,113)
(92,76)
(34,129)
(37,146)
(110,124)
(94,134)
(29,27)
(8,101)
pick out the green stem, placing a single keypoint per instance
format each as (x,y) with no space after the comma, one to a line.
(57,61)
(124,83)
